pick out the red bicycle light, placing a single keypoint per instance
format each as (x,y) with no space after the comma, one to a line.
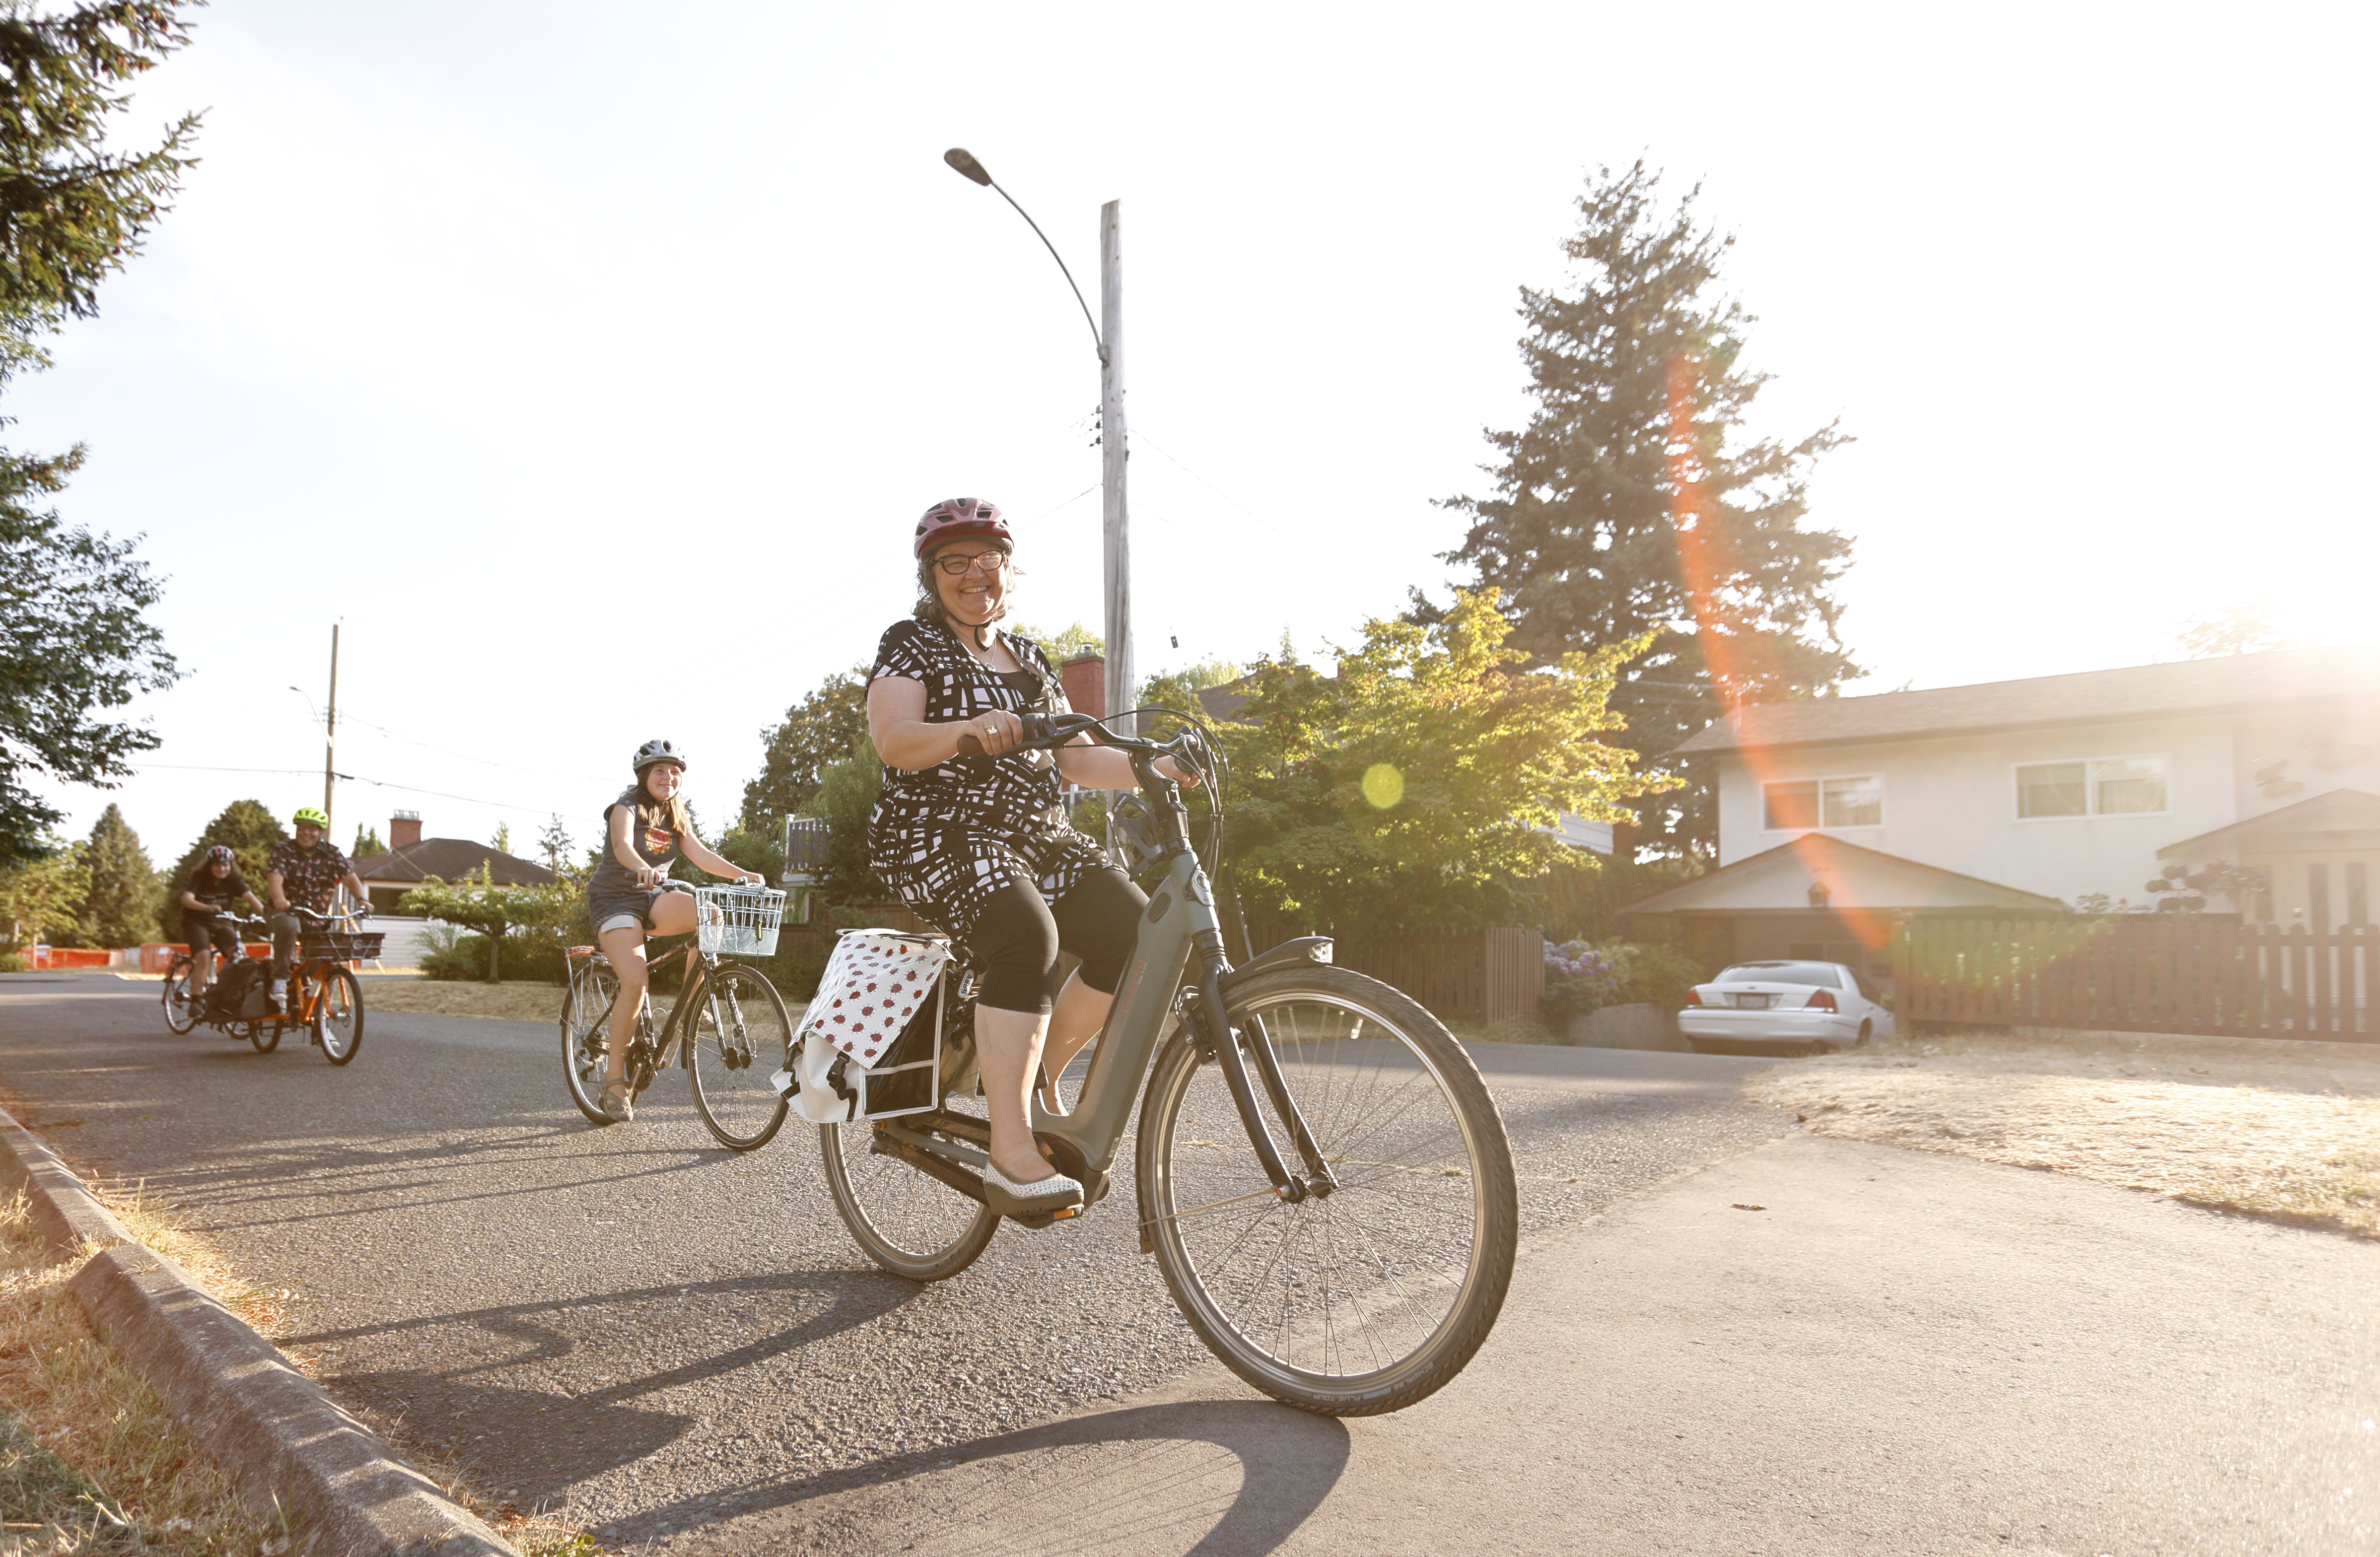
(1821,1000)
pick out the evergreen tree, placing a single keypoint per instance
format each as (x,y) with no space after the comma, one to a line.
(1633,502)
(253,833)
(368,844)
(72,640)
(123,898)
(817,733)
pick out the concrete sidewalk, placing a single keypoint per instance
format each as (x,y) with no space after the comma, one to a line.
(1895,1353)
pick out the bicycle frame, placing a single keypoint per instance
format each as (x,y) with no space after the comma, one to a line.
(1151,997)
(673,1044)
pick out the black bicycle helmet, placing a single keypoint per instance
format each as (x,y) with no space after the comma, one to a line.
(653,752)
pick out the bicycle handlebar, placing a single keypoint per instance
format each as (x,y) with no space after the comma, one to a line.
(1043,732)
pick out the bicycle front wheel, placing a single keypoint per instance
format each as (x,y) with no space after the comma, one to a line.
(181,1011)
(907,1220)
(587,1036)
(740,1037)
(339,1016)
(1370,1298)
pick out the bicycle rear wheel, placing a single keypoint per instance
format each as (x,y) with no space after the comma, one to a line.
(1368,1298)
(740,1037)
(587,1036)
(339,1016)
(908,1221)
(181,1011)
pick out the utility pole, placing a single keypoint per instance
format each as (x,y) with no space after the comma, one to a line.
(1113,452)
(330,736)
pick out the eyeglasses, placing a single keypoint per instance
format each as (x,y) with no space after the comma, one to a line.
(957,566)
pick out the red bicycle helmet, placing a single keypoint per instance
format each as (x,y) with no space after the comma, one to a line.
(960,519)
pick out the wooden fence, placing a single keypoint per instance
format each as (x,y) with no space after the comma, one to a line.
(1484,977)
(2167,973)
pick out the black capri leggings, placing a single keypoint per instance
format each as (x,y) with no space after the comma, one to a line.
(1017,939)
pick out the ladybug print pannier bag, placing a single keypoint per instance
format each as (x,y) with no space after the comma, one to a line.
(875,986)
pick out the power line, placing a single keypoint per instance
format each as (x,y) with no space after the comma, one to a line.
(359,778)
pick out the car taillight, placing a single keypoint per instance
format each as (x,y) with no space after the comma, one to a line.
(1821,1000)
(1693,998)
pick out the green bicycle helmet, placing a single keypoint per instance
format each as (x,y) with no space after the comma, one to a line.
(308,817)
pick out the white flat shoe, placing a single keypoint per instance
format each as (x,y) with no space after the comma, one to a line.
(1009,1197)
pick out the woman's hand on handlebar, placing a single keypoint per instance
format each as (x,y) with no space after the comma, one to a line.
(1180,772)
(990,734)
(651,875)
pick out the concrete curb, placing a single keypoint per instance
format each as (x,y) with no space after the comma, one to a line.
(288,1443)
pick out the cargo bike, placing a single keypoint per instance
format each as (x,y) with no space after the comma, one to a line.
(324,999)
(1320,1170)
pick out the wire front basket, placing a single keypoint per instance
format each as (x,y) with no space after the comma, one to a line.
(343,946)
(738,921)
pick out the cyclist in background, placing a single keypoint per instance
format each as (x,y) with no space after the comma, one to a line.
(205,897)
(308,874)
(644,830)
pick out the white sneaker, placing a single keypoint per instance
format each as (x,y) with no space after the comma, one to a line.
(280,995)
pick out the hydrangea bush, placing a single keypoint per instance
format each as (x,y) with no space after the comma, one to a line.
(1582,978)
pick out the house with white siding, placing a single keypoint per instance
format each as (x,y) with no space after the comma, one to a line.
(1840,817)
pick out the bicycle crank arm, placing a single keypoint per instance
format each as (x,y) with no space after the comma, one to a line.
(935,1166)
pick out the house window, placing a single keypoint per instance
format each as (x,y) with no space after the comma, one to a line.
(2096,787)
(1801,805)
(2318,897)
(2359,894)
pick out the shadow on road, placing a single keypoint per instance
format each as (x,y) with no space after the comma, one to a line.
(1197,1477)
(599,1419)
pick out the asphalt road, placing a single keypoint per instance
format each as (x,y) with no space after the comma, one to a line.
(651,1335)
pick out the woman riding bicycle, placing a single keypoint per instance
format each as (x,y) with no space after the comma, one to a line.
(206,897)
(644,830)
(980,845)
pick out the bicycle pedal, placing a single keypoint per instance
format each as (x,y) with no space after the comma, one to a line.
(1041,1219)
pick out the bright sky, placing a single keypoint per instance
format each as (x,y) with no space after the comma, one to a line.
(591,361)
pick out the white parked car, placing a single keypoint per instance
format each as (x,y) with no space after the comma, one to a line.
(1804,1007)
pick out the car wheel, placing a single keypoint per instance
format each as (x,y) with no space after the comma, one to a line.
(1867,1031)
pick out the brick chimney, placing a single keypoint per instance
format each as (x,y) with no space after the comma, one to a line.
(1085,679)
(404,829)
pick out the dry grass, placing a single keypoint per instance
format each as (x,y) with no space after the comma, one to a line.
(2280,1129)
(524,1001)
(93,1460)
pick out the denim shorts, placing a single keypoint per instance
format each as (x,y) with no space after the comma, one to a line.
(636,903)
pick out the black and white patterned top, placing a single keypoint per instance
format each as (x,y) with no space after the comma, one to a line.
(945,838)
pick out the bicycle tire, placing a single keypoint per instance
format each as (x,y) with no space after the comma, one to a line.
(339,1016)
(264,1035)
(586,1036)
(738,1039)
(910,1222)
(1375,1296)
(181,1012)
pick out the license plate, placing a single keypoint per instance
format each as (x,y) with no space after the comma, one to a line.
(1753,1002)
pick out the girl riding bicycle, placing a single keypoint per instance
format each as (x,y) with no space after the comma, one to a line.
(980,846)
(644,830)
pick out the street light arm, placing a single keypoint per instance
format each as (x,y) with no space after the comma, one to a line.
(1053,248)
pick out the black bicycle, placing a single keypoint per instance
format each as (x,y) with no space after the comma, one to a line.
(1322,1174)
(728,1026)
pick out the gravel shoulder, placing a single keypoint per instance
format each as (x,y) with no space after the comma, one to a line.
(2277,1128)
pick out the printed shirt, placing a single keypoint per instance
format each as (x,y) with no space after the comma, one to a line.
(308,879)
(216,894)
(1015,795)
(649,834)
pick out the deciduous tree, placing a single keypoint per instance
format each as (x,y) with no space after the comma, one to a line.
(1635,507)
(817,732)
(1407,788)
(72,210)
(42,896)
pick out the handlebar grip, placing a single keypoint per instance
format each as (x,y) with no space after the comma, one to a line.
(1038,726)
